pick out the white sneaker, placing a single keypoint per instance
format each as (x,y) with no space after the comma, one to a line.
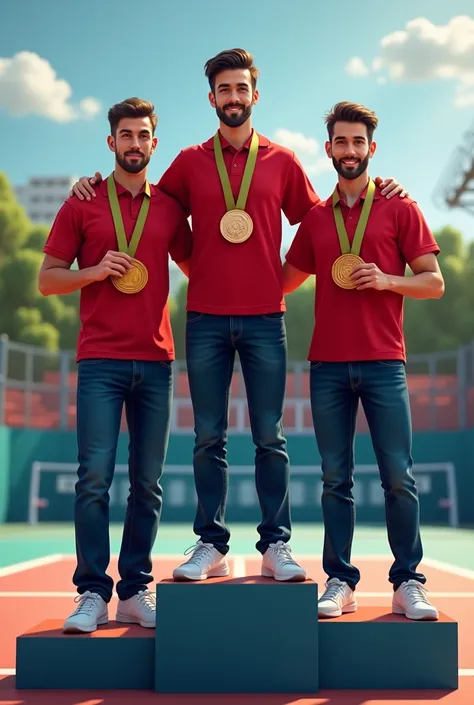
(138,609)
(411,600)
(278,563)
(206,562)
(337,599)
(92,610)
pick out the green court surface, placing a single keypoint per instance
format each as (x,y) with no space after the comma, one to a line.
(21,542)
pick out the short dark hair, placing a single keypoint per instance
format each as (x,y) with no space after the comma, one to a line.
(132,108)
(351,112)
(230,59)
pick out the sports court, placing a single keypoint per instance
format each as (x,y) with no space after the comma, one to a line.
(35,584)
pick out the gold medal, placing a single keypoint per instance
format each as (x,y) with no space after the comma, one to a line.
(236,226)
(137,276)
(134,280)
(342,269)
(344,265)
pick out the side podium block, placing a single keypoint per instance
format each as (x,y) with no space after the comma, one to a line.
(116,656)
(236,635)
(381,650)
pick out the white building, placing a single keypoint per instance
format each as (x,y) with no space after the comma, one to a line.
(43,196)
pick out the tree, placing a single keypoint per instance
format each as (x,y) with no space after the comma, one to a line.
(14,223)
(37,237)
(178,320)
(300,320)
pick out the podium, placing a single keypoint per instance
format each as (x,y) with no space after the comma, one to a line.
(244,635)
(236,635)
(116,656)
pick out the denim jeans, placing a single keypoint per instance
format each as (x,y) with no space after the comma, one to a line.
(104,387)
(211,344)
(382,389)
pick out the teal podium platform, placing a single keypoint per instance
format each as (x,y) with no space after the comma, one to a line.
(236,635)
(116,656)
(377,650)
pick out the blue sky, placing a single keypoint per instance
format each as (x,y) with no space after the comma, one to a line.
(421,83)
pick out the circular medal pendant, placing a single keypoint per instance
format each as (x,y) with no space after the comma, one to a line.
(236,226)
(342,270)
(134,280)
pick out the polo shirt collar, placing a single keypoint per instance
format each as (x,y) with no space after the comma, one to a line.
(147,188)
(362,196)
(262,142)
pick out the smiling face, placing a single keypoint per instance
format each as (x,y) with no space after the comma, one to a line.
(350,149)
(133,143)
(233,96)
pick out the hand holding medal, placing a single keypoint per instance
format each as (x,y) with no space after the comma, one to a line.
(136,277)
(236,225)
(349,259)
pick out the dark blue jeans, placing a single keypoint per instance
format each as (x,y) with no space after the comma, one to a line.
(211,345)
(382,389)
(104,387)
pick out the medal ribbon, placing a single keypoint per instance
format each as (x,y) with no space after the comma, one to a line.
(246,179)
(131,247)
(361,225)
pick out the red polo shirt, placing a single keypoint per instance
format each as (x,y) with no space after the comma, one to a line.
(353,325)
(113,324)
(238,279)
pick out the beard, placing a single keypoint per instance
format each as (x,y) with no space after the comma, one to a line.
(352,172)
(237,119)
(134,167)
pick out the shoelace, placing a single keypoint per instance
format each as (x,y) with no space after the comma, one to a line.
(147,599)
(87,603)
(416,592)
(333,590)
(201,550)
(283,552)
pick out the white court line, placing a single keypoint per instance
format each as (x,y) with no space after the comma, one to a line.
(238,567)
(449,595)
(237,572)
(28,565)
(449,568)
(462,672)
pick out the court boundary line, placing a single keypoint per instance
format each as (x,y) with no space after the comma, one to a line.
(452,568)
(21,567)
(462,672)
(17,594)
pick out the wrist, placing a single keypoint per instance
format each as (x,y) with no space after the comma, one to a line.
(90,274)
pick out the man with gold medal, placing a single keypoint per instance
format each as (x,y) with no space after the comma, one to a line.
(125,349)
(358,245)
(235,186)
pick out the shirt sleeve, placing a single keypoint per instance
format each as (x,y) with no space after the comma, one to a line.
(181,245)
(301,252)
(299,196)
(65,238)
(414,236)
(174,183)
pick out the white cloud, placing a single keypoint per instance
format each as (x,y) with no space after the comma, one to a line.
(29,86)
(426,52)
(307,149)
(357,67)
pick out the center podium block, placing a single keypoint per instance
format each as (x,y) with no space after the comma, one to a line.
(236,635)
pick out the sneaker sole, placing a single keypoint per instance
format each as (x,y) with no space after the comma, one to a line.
(348,609)
(298,578)
(130,620)
(417,618)
(216,573)
(85,630)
